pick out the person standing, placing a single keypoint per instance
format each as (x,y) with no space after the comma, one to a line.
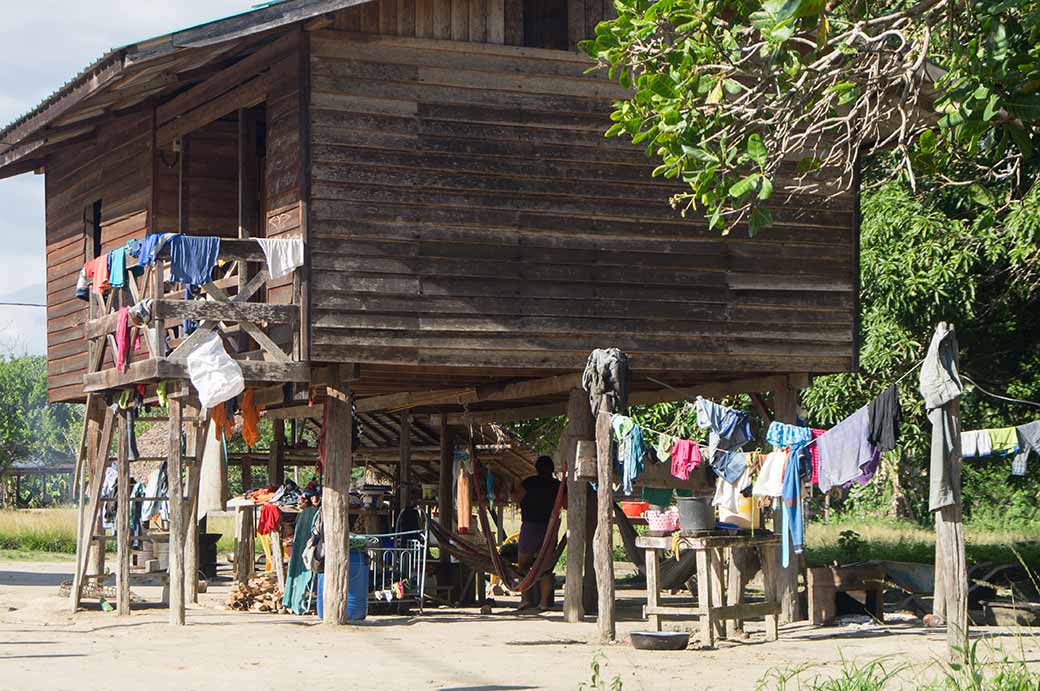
(537,496)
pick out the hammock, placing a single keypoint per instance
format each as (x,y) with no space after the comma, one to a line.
(546,551)
(477,558)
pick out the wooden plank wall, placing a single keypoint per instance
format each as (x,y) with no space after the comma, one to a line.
(116,168)
(478,21)
(467,211)
(282,174)
(212,182)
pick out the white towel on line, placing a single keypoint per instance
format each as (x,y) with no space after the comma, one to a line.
(283,255)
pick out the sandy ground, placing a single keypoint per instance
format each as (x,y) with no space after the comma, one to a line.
(43,646)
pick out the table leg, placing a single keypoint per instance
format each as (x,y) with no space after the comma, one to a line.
(735,589)
(770,561)
(718,588)
(704,588)
(652,589)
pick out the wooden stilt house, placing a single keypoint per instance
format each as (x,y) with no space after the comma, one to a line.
(470,234)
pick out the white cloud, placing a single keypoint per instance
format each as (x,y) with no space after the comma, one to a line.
(43,44)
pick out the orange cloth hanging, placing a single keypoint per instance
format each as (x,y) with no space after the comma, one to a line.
(97,271)
(250,420)
(463,502)
(219,417)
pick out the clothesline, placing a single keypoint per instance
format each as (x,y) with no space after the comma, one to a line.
(998,396)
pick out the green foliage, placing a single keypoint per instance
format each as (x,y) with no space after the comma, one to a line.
(30,427)
(851,544)
(598,681)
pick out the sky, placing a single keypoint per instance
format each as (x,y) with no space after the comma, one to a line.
(43,44)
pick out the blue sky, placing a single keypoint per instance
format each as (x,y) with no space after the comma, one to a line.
(44,43)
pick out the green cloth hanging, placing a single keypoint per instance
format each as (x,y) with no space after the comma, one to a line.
(297,577)
(657,496)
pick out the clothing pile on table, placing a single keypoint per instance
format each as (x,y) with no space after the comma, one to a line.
(286,495)
(1004,441)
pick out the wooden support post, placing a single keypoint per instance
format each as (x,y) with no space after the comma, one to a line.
(177,517)
(245,550)
(785,401)
(604,557)
(718,588)
(123,539)
(580,425)
(445,502)
(336,502)
(275,463)
(735,582)
(653,561)
(769,559)
(404,488)
(500,515)
(705,576)
(589,589)
(196,444)
(91,441)
(279,558)
(248,196)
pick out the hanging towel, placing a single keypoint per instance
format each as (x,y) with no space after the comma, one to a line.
(782,435)
(250,420)
(885,418)
(686,456)
(1003,440)
(730,465)
(117,268)
(97,271)
(283,256)
(297,577)
(664,447)
(192,258)
(770,480)
(791,511)
(940,385)
(814,453)
(844,450)
(270,519)
(976,443)
(632,459)
(149,247)
(1028,440)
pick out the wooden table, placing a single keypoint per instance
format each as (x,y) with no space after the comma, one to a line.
(712,610)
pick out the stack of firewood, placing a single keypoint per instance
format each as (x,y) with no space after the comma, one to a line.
(261,594)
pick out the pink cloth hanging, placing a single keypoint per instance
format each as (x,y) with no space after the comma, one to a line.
(123,344)
(814,454)
(686,455)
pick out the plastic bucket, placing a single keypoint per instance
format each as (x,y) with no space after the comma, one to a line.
(696,513)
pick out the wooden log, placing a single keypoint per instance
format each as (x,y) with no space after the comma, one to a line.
(196,444)
(336,502)
(275,465)
(603,554)
(177,518)
(404,488)
(123,543)
(589,587)
(91,440)
(580,425)
(785,401)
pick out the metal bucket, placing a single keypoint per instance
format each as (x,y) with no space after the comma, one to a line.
(696,513)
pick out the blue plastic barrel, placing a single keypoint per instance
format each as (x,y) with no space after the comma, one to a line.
(357,586)
(320,587)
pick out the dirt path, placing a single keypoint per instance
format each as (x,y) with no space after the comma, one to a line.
(43,646)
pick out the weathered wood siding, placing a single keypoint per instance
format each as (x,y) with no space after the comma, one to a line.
(467,211)
(116,168)
(212,183)
(478,21)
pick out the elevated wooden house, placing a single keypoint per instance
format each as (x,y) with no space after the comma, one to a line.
(470,233)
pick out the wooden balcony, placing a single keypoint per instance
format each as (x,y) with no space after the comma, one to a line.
(264,338)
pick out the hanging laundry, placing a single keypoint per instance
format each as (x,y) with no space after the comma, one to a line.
(686,456)
(270,519)
(976,443)
(664,447)
(283,256)
(463,500)
(124,346)
(844,450)
(622,425)
(791,510)
(729,465)
(869,469)
(770,480)
(730,429)
(728,495)
(885,419)
(192,258)
(657,496)
(629,436)
(250,420)
(117,267)
(150,247)
(97,271)
(606,372)
(130,416)
(1003,440)
(1028,440)
(782,435)
(214,374)
(814,451)
(221,423)
(83,284)
(940,385)
(141,313)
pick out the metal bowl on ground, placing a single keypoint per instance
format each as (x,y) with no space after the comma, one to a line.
(660,640)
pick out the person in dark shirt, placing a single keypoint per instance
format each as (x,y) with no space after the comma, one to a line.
(537,495)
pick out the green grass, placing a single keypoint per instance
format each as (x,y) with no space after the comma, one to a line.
(38,530)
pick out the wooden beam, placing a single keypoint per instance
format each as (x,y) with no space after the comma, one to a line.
(533,388)
(228,78)
(785,404)
(602,542)
(245,95)
(405,469)
(248,194)
(336,503)
(445,501)
(580,425)
(123,520)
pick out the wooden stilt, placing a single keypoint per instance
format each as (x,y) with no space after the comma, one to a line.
(196,444)
(245,530)
(445,501)
(705,577)
(336,503)
(589,590)
(652,562)
(735,582)
(605,527)
(87,458)
(87,545)
(275,467)
(580,425)
(718,588)
(177,517)
(123,539)
(785,401)
(404,487)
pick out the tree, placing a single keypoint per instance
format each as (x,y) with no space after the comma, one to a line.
(30,427)
(743,100)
